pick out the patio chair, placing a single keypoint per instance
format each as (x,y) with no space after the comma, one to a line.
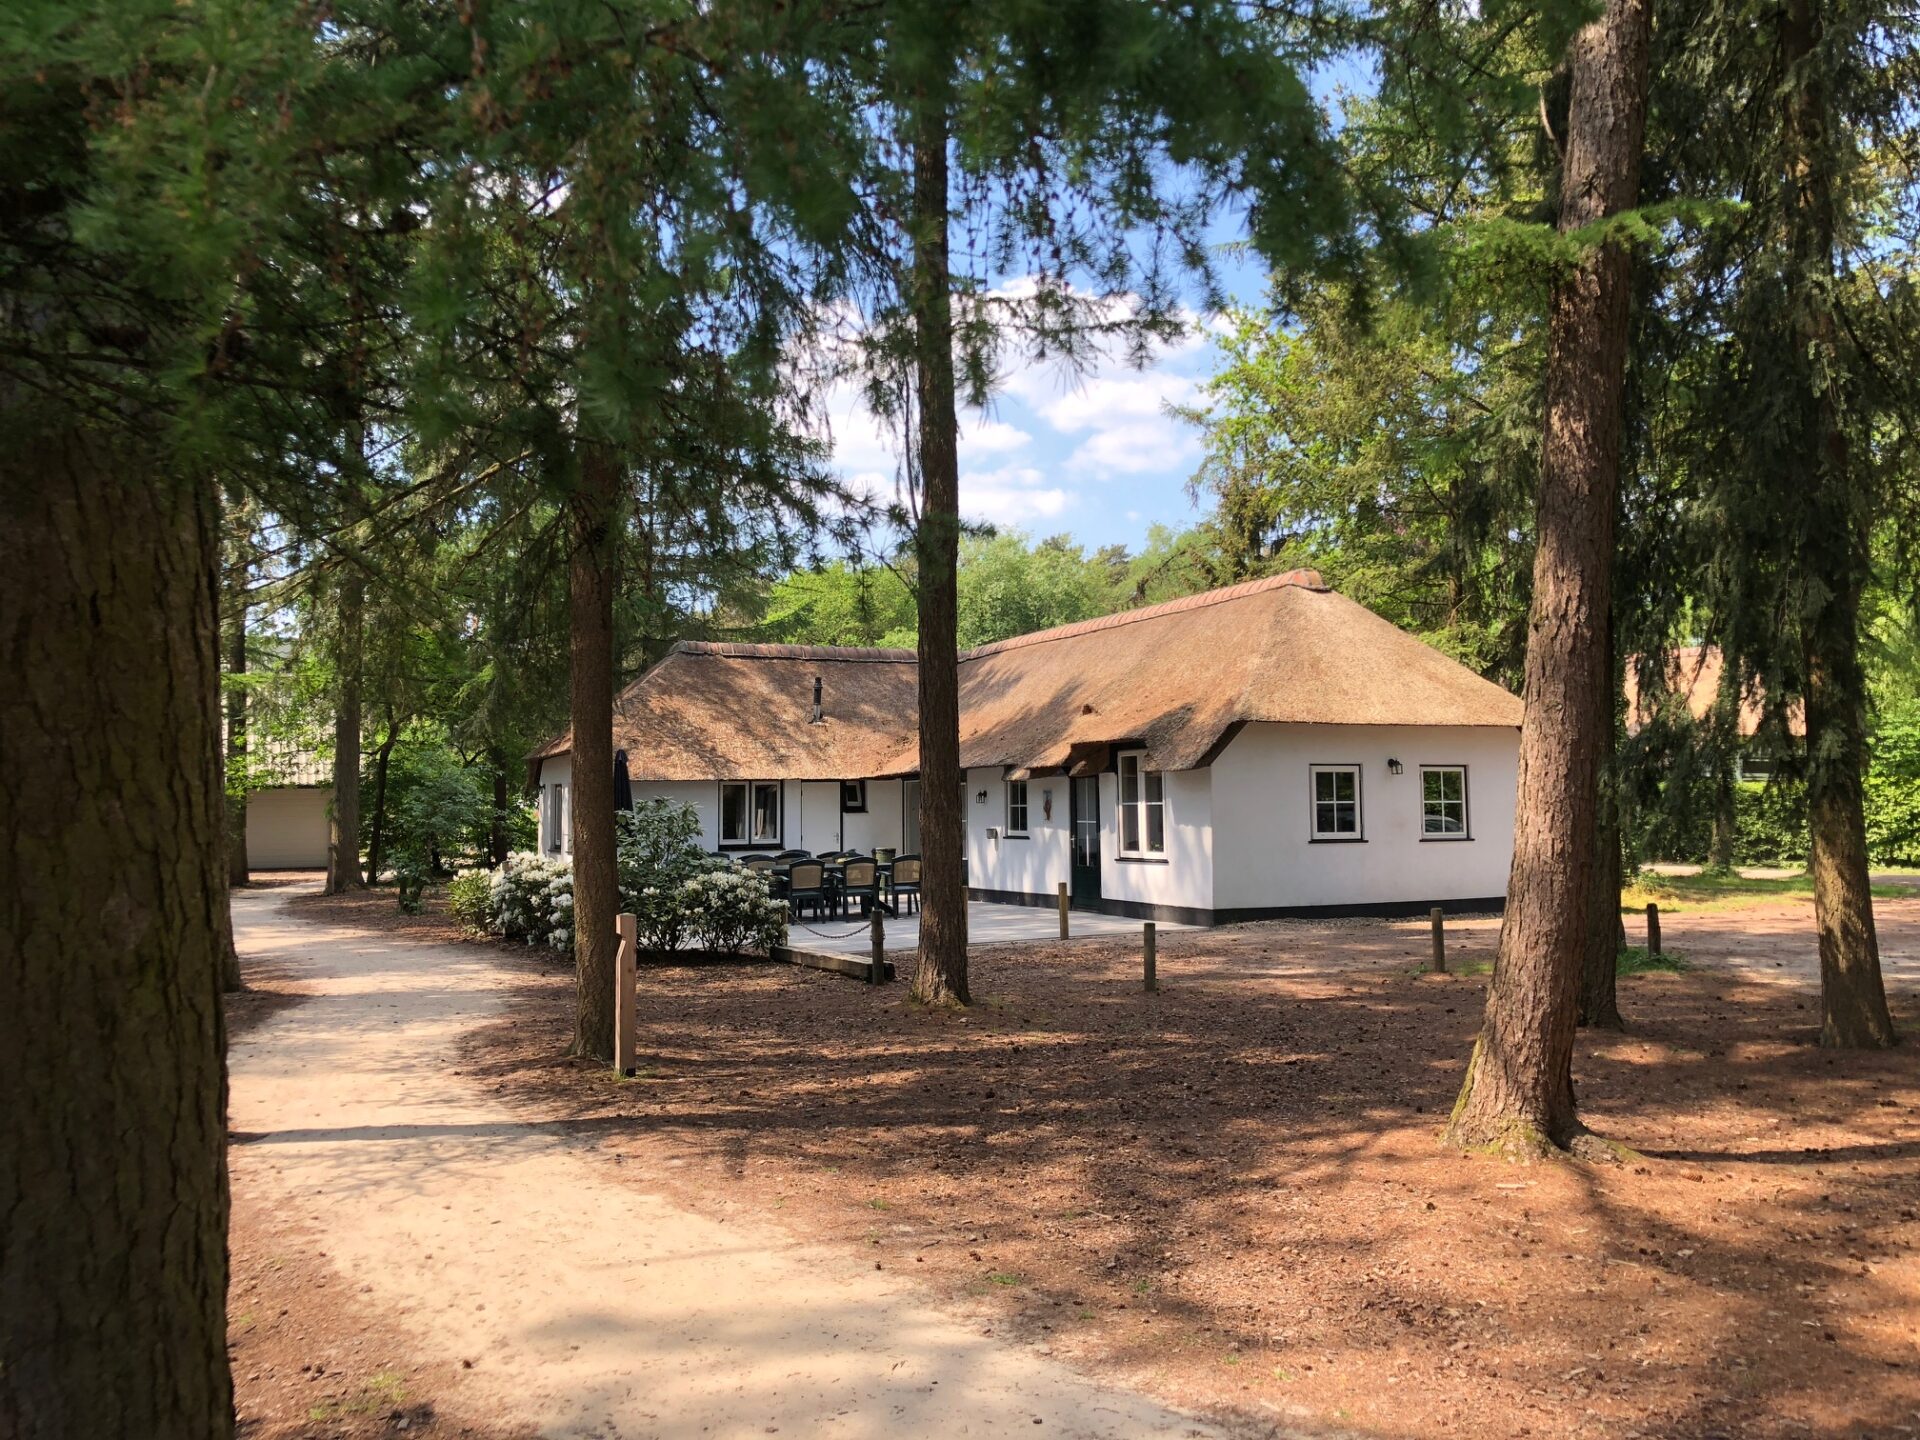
(861,878)
(807,886)
(762,863)
(906,882)
(794,855)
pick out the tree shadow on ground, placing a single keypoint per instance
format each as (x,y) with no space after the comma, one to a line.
(1232,1191)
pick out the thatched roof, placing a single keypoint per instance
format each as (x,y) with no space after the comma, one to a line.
(1693,674)
(1178,679)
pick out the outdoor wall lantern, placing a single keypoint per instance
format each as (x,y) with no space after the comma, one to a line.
(980,798)
(1394,767)
(1046,803)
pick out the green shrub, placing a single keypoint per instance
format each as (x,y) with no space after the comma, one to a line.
(1893,786)
(470,901)
(1770,822)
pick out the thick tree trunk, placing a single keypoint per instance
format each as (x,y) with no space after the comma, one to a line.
(593,527)
(236,756)
(941,976)
(113,1265)
(1518,1093)
(1853,997)
(377,834)
(343,833)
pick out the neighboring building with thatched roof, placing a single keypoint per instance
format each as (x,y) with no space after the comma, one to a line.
(1693,679)
(1272,748)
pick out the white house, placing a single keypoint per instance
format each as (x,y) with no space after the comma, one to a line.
(1269,749)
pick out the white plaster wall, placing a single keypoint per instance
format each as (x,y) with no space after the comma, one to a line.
(1034,866)
(287,828)
(1264,854)
(812,810)
(1186,877)
(556,771)
(882,822)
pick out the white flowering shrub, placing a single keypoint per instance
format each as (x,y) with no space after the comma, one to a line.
(530,898)
(729,909)
(679,894)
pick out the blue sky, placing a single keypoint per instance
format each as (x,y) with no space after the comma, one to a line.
(1092,453)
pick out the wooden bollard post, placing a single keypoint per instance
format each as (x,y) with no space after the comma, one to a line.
(626,965)
(877,967)
(1653,928)
(1063,909)
(1149,957)
(1439,917)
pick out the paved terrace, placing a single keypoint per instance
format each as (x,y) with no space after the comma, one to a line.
(987,924)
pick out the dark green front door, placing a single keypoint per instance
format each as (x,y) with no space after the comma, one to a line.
(1084,814)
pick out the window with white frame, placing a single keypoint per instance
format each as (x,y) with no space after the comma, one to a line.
(1143,807)
(1443,802)
(550,805)
(1016,807)
(750,812)
(564,822)
(1336,802)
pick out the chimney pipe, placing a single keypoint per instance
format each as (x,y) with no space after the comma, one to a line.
(818,713)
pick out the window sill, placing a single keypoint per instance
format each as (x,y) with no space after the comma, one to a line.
(1338,840)
(752,845)
(1020,835)
(1445,839)
(1141,860)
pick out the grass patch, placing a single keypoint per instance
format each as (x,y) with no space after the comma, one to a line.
(1003,1277)
(1726,890)
(1634,960)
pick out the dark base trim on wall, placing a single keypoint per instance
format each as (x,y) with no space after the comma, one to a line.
(1194,915)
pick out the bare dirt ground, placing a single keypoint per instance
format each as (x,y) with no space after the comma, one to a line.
(413,1253)
(1230,1194)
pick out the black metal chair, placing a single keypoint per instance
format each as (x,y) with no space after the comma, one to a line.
(860,879)
(807,886)
(906,882)
(794,855)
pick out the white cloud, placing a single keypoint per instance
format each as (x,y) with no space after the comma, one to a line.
(1010,495)
(1161,445)
(991,437)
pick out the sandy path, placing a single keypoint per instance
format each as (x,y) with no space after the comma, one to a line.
(587,1308)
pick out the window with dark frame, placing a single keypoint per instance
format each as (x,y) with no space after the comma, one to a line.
(1443,802)
(1143,807)
(1336,802)
(853,797)
(1016,807)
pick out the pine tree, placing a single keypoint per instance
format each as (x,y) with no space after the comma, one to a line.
(1040,179)
(1796,423)
(1518,1091)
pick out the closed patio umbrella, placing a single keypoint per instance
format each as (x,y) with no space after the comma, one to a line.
(622,786)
